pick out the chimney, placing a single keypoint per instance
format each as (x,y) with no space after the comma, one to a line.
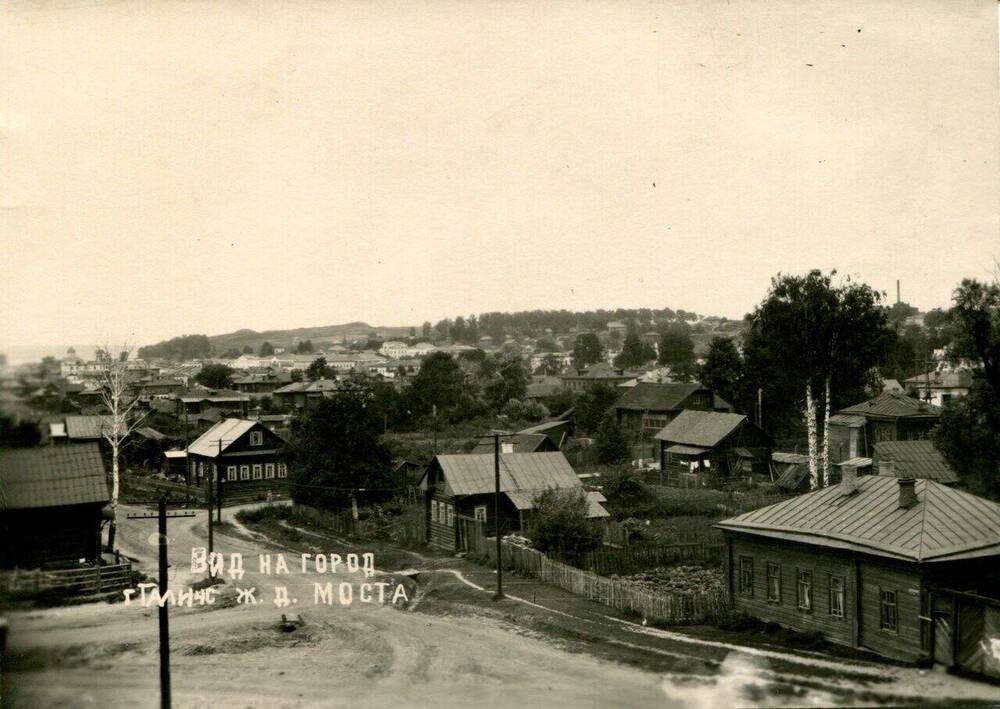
(848,480)
(506,447)
(907,493)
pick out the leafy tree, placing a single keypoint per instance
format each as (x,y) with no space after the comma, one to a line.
(635,352)
(723,371)
(296,375)
(413,332)
(266,350)
(611,445)
(439,383)
(426,330)
(247,349)
(976,315)
(968,441)
(510,382)
(561,402)
(215,376)
(625,490)
(334,452)
(178,348)
(812,344)
(21,434)
(545,344)
(587,350)
(304,347)
(231,353)
(559,523)
(900,311)
(677,350)
(319,369)
(592,405)
(551,365)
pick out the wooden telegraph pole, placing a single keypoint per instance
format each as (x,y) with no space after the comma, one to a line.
(496,436)
(161,516)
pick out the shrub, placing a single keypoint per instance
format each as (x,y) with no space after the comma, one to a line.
(261,514)
(560,523)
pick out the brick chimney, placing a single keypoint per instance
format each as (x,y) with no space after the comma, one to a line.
(907,492)
(848,479)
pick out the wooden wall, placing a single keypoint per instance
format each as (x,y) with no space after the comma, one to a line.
(905,642)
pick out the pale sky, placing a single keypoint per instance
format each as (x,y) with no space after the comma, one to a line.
(170,168)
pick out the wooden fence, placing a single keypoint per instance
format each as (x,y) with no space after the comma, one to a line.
(83,581)
(674,608)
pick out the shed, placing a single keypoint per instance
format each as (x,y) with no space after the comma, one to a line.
(703,448)
(50,505)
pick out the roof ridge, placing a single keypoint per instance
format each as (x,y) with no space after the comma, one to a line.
(923,517)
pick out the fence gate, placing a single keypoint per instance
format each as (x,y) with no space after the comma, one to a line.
(470,533)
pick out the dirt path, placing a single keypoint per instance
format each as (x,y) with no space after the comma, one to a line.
(454,646)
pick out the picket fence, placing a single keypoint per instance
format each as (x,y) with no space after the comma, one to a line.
(641,557)
(672,608)
(407,529)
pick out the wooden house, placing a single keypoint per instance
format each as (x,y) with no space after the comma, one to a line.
(195,401)
(246,454)
(912,459)
(521,443)
(940,387)
(649,406)
(582,379)
(908,569)
(710,448)
(52,500)
(890,416)
(460,493)
(300,395)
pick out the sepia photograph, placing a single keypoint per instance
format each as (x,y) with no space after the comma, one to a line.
(521,353)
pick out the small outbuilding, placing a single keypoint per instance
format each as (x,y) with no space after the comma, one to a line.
(50,505)
(708,448)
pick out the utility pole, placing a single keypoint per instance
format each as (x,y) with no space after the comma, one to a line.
(496,436)
(161,517)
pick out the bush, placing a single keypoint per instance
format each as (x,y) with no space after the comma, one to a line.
(611,446)
(261,514)
(560,523)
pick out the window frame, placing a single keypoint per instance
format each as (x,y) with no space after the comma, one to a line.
(244,472)
(256,438)
(258,471)
(883,615)
(843,596)
(807,576)
(475,513)
(230,473)
(745,568)
(771,566)
(282,470)
(269,470)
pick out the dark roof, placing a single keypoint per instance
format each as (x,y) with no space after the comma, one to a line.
(892,404)
(915,459)
(849,420)
(650,396)
(53,476)
(82,427)
(150,433)
(945,524)
(700,428)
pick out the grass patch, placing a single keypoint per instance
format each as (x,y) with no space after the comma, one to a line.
(261,514)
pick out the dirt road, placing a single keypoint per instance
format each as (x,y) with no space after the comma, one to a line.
(452,647)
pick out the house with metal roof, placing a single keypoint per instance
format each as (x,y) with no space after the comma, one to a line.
(874,562)
(299,395)
(711,448)
(602,373)
(940,386)
(246,456)
(912,459)
(890,416)
(199,399)
(460,494)
(50,505)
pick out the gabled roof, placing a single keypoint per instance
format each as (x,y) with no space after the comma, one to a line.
(227,431)
(525,500)
(915,459)
(211,395)
(473,474)
(849,420)
(650,396)
(945,524)
(84,427)
(704,429)
(523,443)
(150,433)
(892,404)
(52,476)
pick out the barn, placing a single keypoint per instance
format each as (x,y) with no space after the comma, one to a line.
(710,448)
(50,505)
(909,569)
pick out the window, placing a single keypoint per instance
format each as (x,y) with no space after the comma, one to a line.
(480,513)
(449,515)
(887,611)
(256,438)
(230,472)
(746,575)
(201,469)
(269,470)
(244,472)
(773,583)
(435,515)
(706,463)
(282,470)
(805,590)
(258,471)
(837,596)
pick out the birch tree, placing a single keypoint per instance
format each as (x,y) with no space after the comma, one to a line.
(812,343)
(120,401)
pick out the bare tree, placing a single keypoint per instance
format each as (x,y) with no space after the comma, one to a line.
(120,401)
